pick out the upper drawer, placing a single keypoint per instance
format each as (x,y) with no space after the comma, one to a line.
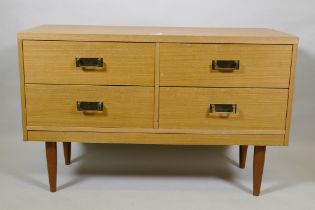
(55,62)
(191,65)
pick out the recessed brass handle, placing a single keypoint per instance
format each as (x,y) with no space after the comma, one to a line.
(89,63)
(86,106)
(225,65)
(223,108)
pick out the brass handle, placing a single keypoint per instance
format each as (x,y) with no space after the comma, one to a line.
(225,65)
(223,108)
(89,63)
(89,106)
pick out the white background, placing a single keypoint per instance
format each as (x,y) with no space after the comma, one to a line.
(142,177)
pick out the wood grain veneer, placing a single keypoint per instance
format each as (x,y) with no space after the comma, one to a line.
(257,109)
(124,107)
(153,138)
(53,62)
(157,34)
(260,65)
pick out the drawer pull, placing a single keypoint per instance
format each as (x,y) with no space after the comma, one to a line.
(223,108)
(225,65)
(89,106)
(89,63)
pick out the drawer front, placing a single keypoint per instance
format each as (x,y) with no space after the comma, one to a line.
(54,62)
(255,109)
(56,105)
(191,65)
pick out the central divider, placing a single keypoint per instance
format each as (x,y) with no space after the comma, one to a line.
(156,86)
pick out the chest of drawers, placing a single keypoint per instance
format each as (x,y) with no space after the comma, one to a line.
(156,85)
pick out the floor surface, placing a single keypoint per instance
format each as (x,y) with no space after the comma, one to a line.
(154,177)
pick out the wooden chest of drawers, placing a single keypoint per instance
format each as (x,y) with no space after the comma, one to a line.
(156,85)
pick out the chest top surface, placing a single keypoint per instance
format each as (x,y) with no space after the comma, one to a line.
(158,34)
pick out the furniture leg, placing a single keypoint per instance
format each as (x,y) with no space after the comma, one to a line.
(259,160)
(242,155)
(67,152)
(51,156)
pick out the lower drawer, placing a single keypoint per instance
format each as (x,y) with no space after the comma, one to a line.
(205,108)
(56,105)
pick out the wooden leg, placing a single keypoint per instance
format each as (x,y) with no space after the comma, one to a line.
(67,152)
(258,169)
(51,156)
(243,154)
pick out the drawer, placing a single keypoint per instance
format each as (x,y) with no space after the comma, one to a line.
(56,105)
(255,108)
(191,65)
(54,62)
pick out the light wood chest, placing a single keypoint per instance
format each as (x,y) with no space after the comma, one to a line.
(157,85)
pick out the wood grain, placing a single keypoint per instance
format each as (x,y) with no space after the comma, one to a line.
(258,168)
(146,138)
(67,152)
(22,89)
(158,34)
(257,109)
(154,130)
(242,155)
(291,93)
(124,107)
(157,86)
(51,156)
(53,62)
(265,57)
(190,65)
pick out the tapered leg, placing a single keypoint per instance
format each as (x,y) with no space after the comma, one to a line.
(67,152)
(51,156)
(258,169)
(242,153)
